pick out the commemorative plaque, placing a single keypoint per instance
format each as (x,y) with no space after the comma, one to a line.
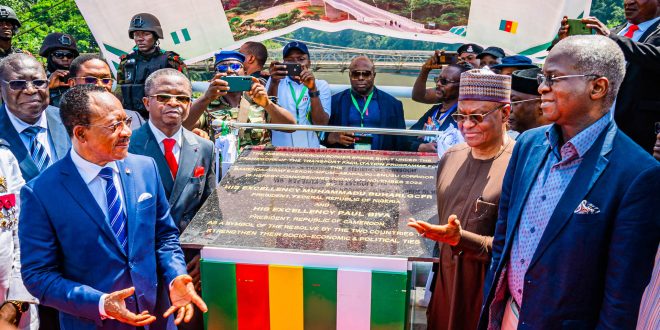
(321,200)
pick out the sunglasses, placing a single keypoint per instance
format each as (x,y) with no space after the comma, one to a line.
(94,80)
(227,67)
(444,81)
(359,74)
(18,85)
(118,125)
(60,55)
(476,118)
(164,98)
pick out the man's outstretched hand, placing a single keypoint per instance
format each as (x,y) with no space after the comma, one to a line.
(115,307)
(182,296)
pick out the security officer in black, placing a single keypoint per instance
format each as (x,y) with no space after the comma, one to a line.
(9,25)
(59,49)
(146,58)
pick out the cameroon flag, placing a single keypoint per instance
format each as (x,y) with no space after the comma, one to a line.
(508,26)
(273,297)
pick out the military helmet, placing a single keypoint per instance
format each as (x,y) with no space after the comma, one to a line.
(58,40)
(8,14)
(145,22)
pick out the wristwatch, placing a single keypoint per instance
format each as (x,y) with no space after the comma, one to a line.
(314,94)
(20,306)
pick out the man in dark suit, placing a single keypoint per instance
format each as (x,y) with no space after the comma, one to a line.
(637,106)
(32,128)
(364,105)
(97,240)
(578,225)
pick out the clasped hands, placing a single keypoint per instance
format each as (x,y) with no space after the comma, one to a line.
(182,296)
(449,233)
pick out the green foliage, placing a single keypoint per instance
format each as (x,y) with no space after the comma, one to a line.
(609,12)
(41,17)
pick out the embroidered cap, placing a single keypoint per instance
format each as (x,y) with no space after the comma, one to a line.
(484,85)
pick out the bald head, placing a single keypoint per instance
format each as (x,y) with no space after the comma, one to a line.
(16,61)
(362,60)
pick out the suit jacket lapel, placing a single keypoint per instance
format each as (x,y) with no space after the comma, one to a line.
(130,201)
(57,133)
(25,162)
(146,141)
(592,166)
(74,184)
(538,156)
(187,160)
(651,30)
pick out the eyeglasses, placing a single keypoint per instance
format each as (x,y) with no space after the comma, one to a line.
(164,98)
(118,125)
(61,54)
(550,80)
(227,67)
(18,85)
(444,81)
(359,74)
(523,101)
(476,118)
(94,80)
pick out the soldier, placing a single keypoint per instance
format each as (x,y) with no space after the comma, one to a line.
(253,106)
(9,25)
(146,58)
(59,49)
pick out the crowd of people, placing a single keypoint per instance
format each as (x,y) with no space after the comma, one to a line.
(546,183)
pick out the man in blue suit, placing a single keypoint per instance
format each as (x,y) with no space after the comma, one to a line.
(98,242)
(578,224)
(32,128)
(364,105)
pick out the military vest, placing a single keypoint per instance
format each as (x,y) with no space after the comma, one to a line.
(136,71)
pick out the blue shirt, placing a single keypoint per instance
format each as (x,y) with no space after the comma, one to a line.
(557,172)
(371,115)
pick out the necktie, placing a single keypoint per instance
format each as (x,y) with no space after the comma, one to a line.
(169,156)
(631,31)
(37,150)
(116,216)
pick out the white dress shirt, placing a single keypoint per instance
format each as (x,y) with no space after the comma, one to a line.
(305,139)
(90,175)
(160,136)
(42,136)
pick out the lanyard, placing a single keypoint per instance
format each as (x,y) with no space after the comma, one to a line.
(443,116)
(297,99)
(365,109)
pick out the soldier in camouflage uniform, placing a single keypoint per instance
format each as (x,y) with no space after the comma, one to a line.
(253,106)
(9,25)
(147,57)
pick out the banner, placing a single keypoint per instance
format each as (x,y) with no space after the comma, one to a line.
(194,29)
(524,27)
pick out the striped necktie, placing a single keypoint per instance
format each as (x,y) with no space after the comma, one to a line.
(37,150)
(116,214)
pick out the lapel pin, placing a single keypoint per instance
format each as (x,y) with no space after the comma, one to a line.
(128,171)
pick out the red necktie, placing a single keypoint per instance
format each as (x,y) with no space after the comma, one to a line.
(631,31)
(169,156)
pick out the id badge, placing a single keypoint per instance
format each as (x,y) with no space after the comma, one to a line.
(363,141)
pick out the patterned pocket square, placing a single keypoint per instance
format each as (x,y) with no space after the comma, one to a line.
(586,208)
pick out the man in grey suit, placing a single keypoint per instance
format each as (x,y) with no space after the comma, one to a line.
(33,129)
(185,161)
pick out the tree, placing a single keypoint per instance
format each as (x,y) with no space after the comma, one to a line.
(41,17)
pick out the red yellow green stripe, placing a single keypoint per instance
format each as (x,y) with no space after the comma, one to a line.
(252,297)
(285,288)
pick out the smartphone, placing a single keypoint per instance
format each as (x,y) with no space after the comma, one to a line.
(576,27)
(447,58)
(238,83)
(293,69)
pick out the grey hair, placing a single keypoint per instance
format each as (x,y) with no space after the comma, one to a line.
(169,72)
(16,60)
(596,55)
